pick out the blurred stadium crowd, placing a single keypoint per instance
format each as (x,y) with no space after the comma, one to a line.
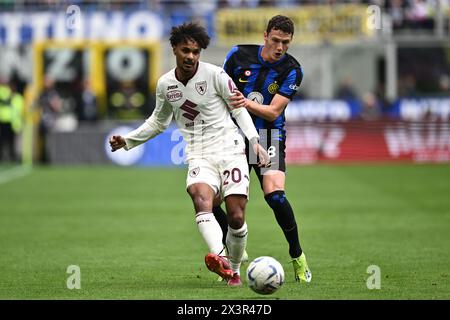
(405,13)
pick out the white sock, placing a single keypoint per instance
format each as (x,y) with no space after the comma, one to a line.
(210,230)
(236,243)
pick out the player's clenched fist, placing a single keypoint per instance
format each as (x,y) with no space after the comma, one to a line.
(116,143)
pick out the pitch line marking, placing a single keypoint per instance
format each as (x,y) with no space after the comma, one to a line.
(13,174)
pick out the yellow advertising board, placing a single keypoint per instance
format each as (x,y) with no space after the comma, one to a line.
(313,23)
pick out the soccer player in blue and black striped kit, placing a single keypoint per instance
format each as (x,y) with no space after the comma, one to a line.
(267,78)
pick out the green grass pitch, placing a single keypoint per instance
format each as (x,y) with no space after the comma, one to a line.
(133,235)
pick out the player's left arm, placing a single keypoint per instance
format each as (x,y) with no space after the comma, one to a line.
(279,102)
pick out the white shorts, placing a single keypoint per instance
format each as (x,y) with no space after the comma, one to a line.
(225,177)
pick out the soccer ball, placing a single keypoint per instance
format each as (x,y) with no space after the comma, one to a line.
(265,275)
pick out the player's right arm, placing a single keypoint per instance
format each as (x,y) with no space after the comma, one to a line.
(154,125)
(226,88)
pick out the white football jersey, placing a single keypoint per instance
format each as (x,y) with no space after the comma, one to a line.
(201,112)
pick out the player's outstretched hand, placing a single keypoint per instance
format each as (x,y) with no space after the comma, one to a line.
(238,100)
(116,143)
(263,156)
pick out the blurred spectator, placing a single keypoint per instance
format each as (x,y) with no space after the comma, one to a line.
(245,3)
(287,3)
(371,107)
(11,115)
(202,7)
(267,3)
(127,102)
(421,14)
(51,106)
(380,93)
(88,103)
(444,84)
(407,86)
(345,90)
(18,103)
(396,9)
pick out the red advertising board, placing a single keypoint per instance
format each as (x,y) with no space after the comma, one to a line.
(360,140)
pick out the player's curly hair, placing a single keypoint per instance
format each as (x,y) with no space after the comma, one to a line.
(189,32)
(282,23)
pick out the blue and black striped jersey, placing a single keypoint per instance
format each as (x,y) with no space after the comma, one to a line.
(259,80)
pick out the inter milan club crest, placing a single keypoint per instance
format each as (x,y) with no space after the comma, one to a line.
(194,172)
(273,87)
(201,87)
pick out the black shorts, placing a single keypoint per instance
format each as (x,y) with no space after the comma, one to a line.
(277,153)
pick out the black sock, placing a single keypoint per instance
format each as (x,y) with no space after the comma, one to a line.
(221,218)
(286,220)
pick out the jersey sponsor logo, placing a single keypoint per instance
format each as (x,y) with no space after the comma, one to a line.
(193,123)
(201,87)
(294,87)
(172,87)
(273,87)
(256,96)
(190,113)
(173,96)
(194,172)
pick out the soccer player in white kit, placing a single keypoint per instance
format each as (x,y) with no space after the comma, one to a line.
(197,95)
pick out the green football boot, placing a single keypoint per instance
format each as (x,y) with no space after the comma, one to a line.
(301,269)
